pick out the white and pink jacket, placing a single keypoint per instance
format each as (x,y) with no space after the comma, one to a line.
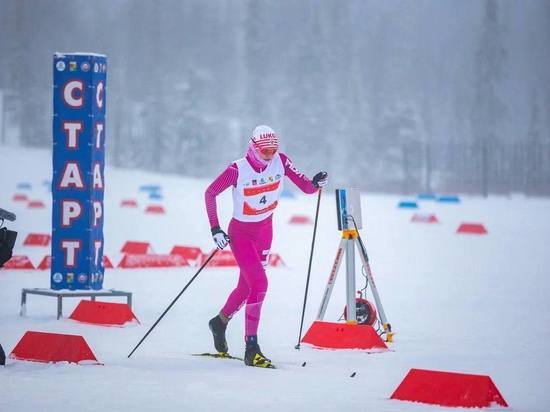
(256,187)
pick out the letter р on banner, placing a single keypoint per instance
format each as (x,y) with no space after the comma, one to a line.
(79,99)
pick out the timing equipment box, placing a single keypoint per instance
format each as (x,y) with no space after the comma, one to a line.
(348,209)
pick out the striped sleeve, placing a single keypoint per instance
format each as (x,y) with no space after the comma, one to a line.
(223,181)
(297,177)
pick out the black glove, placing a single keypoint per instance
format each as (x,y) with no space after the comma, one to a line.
(320,179)
(220,237)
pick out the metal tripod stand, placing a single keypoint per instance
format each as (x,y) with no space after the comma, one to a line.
(350,240)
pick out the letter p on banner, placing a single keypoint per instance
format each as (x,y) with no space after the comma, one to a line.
(79,99)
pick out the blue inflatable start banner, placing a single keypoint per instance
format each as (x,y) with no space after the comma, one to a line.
(78,164)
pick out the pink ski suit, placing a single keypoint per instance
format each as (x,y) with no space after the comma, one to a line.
(250,241)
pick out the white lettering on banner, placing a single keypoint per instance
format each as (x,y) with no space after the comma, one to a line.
(70,210)
(72,130)
(70,246)
(71,176)
(99,129)
(97,245)
(98,181)
(98,212)
(69,95)
(99,95)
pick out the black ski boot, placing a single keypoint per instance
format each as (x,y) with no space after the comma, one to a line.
(217,325)
(253,356)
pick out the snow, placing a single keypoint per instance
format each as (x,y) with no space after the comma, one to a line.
(463,303)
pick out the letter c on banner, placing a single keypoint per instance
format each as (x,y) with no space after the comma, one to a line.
(69,94)
(99,95)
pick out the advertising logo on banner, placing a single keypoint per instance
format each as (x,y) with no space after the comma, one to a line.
(78,165)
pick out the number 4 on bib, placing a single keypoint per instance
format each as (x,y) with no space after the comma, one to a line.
(263,201)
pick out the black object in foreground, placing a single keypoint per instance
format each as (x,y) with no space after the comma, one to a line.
(2,356)
(5,215)
(309,267)
(174,301)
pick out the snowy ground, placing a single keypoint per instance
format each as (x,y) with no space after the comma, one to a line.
(457,302)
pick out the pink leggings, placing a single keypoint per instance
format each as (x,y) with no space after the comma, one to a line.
(250,243)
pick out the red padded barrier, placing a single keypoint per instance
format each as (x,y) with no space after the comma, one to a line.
(188,252)
(224,258)
(37,239)
(20,197)
(128,203)
(155,209)
(36,204)
(103,313)
(53,347)
(472,228)
(19,262)
(449,389)
(423,218)
(300,220)
(333,335)
(276,260)
(107,262)
(45,263)
(130,261)
(137,248)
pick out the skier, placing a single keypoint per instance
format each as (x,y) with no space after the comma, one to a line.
(257,181)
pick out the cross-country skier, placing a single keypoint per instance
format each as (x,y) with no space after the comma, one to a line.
(257,181)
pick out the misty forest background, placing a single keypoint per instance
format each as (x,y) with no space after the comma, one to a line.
(397,96)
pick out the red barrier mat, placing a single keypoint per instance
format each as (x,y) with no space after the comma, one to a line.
(155,209)
(449,389)
(276,260)
(37,239)
(53,347)
(103,313)
(36,204)
(136,248)
(300,220)
(20,197)
(333,335)
(45,263)
(19,262)
(128,203)
(107,262)
(130,261)
(472,228)
(188,252)
(224,258)
(421,218)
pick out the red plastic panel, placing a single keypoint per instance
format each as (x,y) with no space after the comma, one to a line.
(53,347)
(333,335)
(448,389)
(103,313)
(472,228)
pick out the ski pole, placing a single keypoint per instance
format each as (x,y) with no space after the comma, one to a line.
(309,267)
(174,301)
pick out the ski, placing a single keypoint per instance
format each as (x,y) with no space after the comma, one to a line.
(219,355)
(225,355)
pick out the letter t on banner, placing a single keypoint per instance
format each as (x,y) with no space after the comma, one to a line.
(78,170)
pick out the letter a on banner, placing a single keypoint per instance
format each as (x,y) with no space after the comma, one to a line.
(78,170)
